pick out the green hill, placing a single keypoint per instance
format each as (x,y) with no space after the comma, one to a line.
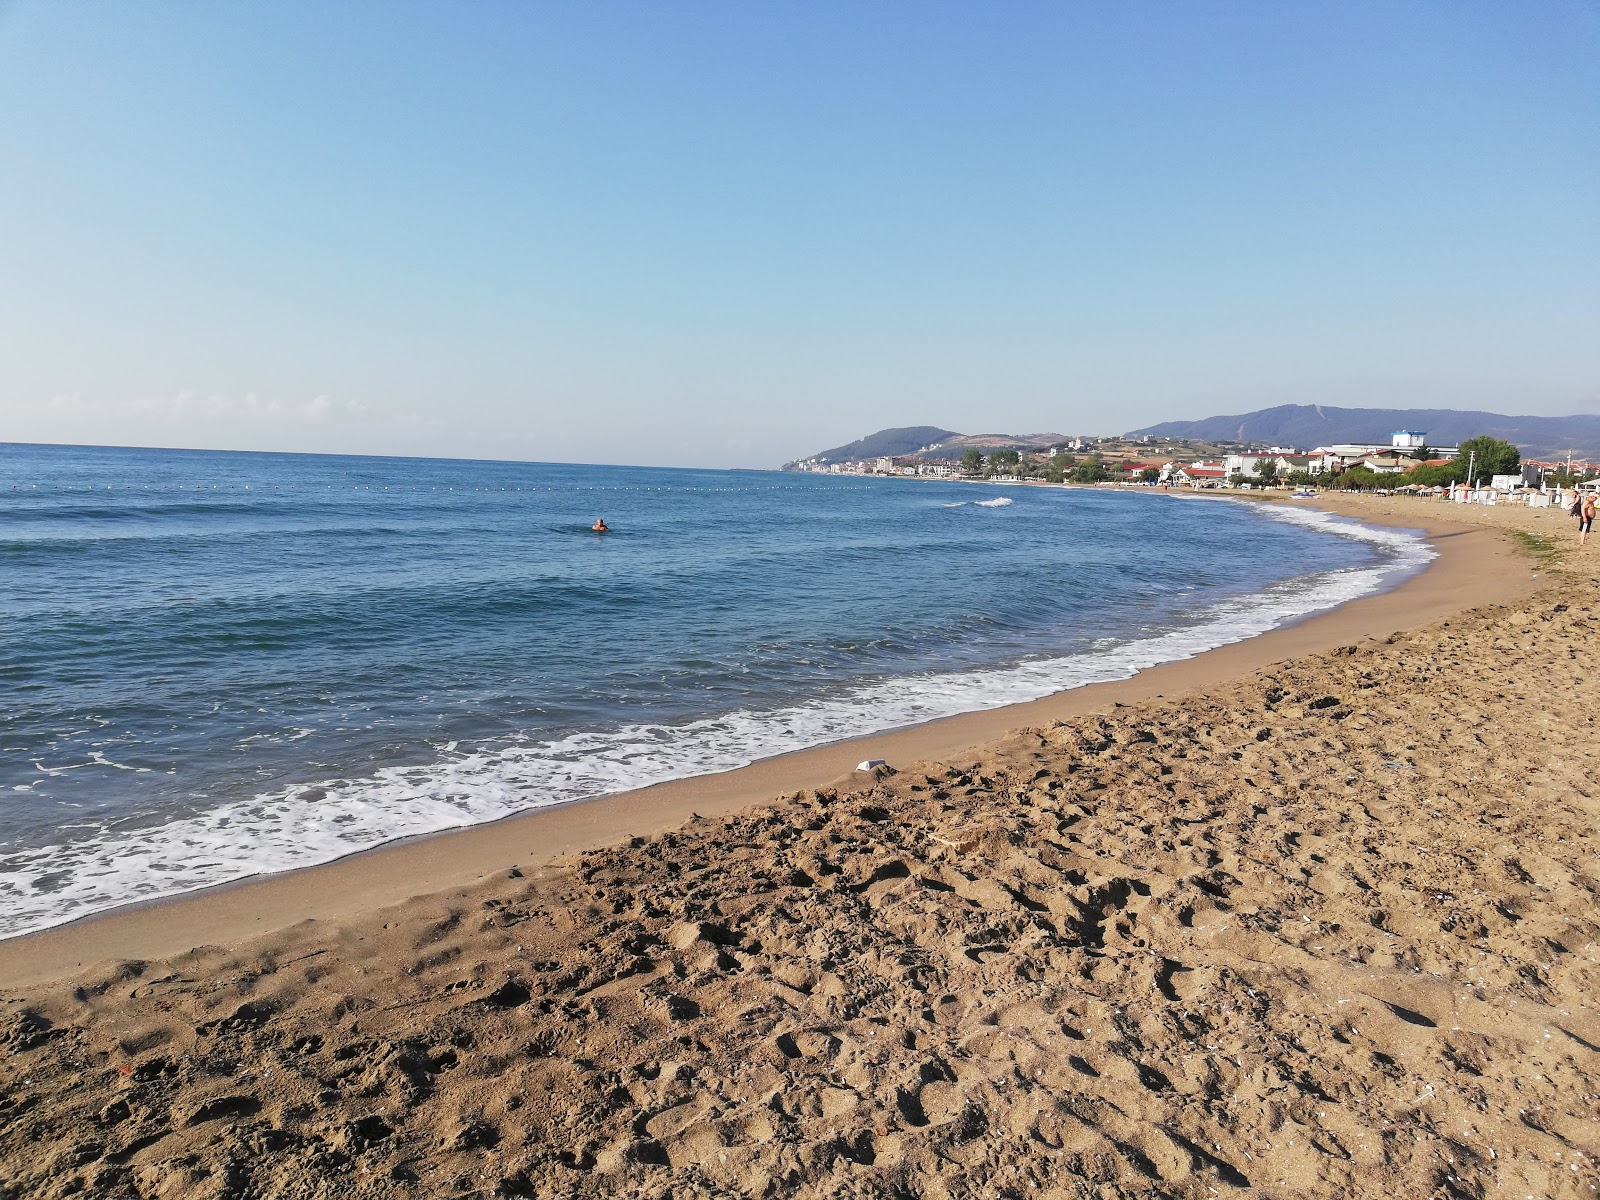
(886,442)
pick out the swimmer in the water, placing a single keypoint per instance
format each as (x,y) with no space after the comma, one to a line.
(600,525)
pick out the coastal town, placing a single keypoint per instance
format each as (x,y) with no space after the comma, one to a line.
(1483,469)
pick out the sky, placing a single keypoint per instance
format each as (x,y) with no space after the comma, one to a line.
(732,234)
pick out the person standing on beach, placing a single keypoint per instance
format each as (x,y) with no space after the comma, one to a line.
(1585,517)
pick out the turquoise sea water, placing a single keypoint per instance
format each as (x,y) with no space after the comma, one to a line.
(217,664)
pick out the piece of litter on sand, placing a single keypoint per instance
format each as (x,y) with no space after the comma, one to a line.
(870,763)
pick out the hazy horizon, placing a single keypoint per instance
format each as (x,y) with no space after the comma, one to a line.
(712,235)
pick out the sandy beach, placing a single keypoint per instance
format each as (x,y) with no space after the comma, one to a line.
(1309,915)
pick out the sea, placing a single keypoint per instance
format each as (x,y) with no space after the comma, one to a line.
(215,665)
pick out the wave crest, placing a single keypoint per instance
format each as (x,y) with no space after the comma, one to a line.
(300,826)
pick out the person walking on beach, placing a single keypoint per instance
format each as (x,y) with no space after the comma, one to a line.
(1585,517)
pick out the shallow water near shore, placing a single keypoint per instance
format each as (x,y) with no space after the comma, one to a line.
(221,664)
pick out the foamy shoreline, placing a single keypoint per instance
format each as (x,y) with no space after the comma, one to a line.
(1311,914)
(282,833)
(444,860)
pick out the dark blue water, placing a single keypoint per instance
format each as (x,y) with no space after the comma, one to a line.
(213,664)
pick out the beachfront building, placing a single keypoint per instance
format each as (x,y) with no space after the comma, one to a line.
(1246,464)
(1385,459)
(1534,470)
(1385,464)
(1198,474)
(1283,463)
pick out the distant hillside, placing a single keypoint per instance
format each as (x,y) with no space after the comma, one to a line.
(889,442)
(1306,425)
(956,443)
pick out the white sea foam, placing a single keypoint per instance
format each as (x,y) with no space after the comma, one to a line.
(997,502)
(300,826)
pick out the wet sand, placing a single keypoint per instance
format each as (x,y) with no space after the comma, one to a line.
(1313,914)
(1474,567)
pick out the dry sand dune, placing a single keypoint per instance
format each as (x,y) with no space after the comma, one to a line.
(1326,930)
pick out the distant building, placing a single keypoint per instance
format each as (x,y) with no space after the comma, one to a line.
(1245,464)
(1388,460)
(1198,473)
(1387,464)
(1283,464)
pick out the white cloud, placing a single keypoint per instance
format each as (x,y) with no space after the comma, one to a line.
(213,406)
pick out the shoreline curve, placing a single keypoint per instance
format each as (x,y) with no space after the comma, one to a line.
(1474,566)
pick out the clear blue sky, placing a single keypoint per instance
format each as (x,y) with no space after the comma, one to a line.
(732,233)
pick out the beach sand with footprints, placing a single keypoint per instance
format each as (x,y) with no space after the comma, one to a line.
(1311,916)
